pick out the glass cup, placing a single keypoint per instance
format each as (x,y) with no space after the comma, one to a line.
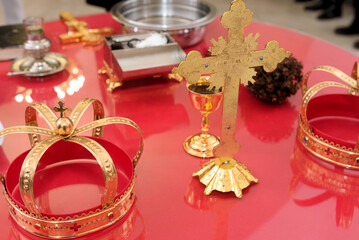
(34,28)
(36,46)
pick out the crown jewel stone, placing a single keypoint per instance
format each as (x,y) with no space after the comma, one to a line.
(111,216)
(37,226)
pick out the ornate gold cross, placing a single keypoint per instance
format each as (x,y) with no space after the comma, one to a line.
(78,31)
(233,63)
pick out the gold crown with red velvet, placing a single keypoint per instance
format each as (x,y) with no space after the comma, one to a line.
(118,196)
(328,124)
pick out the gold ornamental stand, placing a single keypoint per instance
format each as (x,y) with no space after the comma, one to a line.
(232,63)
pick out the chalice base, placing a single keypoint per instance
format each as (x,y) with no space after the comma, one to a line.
(225,175)
(201,145)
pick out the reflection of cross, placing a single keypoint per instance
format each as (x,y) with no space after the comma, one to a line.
(61,109)
(75,227)
(78,31)
(233,62)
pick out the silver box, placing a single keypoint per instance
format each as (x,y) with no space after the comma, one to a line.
(134,63)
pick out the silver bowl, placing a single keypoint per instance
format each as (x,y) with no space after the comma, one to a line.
(185,20)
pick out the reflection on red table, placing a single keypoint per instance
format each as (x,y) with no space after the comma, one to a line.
(170,203)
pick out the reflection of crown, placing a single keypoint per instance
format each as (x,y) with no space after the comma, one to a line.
(118,195)
(337,182)
(322,117)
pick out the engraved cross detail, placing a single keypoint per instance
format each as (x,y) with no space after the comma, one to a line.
(328,151)
(75,227)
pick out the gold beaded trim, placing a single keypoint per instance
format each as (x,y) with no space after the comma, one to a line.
(73,226)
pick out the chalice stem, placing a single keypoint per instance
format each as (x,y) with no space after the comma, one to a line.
(205,123)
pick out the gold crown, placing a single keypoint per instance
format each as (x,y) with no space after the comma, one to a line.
(320,142)
(63,132)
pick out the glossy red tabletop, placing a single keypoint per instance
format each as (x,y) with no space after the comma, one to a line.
(292,199)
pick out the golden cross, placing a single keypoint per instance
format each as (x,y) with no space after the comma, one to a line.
(80,33)
(233,63)
(61,109)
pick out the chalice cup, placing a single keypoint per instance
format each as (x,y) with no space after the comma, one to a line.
(205,101)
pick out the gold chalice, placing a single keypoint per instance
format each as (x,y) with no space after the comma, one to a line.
(205,101)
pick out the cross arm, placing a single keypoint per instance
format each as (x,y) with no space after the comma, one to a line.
(194,66)
(72,22)
(269,57)
(73,37)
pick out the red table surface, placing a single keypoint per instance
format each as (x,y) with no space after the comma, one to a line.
(170,204)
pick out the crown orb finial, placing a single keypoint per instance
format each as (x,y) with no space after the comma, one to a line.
(64,125)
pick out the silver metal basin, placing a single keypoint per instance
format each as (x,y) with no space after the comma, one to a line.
(185,20)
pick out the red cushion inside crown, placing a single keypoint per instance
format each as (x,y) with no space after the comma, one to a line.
(335,117)
(68,180)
